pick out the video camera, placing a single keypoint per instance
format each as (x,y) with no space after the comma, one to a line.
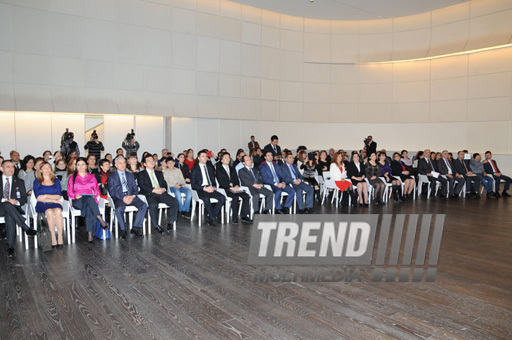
(130,136)
(367,141)
(94,135)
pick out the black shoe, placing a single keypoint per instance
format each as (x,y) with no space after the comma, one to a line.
(123,234)
(310,211)
(31,232)
(278,212)
(54,247)
(267,212)
(211,222)
(246,220)
(306,212)
(454,196)
(256,212)
(469,195)
(376,203)
(301,211)
(285,210)
(432,197)
(159,229)
(235,220)
(60,246)
(185,214)
(497,194)
(491,195)
(476,195)
(136,232)
(10,253)
(505,194)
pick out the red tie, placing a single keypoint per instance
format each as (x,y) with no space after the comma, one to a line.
(493,166)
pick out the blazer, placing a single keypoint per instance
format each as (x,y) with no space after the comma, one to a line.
(266,173)
(443,168)
(145,184)
(115,187)
(18,191)
(424,167)
(246,178)
(353,172)
(336,173)
(270,148)
(287,175)
(196,177)
(225,181)
(488,168)
(256,145)
(461,166)
(396,168)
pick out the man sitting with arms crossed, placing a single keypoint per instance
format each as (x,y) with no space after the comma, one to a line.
(291,175)
(271,174)
(152,185)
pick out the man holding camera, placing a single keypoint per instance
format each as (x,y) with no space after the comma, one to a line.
(68,145)
(370,146)
(94,146)
(130,144)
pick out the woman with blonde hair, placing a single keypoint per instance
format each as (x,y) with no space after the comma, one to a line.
(48,193)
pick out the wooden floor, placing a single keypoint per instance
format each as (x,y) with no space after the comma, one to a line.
(196,284)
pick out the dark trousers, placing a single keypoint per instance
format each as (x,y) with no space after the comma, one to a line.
(88,209)
(165,198)
(205,196)
(246,203)
(455,185)
(256,197)
(497,181)
(433,182)
(12,217)
(472,183)
(277,196)
(299,189)
(139,217)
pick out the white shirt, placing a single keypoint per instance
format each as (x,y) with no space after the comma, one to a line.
(450,172)
(204,172)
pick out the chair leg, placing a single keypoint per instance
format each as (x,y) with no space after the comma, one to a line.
(35,237)
(174,226)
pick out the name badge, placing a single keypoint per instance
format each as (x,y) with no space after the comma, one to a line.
(18,195)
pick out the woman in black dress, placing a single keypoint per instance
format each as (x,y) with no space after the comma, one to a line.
(400,169)
(357,173)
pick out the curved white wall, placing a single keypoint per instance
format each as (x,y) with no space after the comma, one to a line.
(219,59)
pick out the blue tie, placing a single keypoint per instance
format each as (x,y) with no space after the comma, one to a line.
(276,180)
(292,172)
(253,176)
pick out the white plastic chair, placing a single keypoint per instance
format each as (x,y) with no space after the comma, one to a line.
(197,200)
(65,218)
(114,223)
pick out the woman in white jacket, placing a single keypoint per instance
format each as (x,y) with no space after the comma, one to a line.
(338,172)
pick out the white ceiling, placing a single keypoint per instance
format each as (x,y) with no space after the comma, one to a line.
(350,9)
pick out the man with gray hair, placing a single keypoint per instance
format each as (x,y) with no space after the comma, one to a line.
(455,180)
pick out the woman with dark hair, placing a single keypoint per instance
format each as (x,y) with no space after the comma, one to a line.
(60,169)
(190,160)
(323,164)
(386,171)
(27,173)
(373,174)
(92,168)
(308,168)
(70,170)
(180,164)
(48,193)
(357,173)
(133,165)
(257,157)
(399,169)
(83,191)
(102,178)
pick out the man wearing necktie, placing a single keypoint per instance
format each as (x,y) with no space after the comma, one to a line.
(472,180)
(123,190)
(152,185)
(250,177)
(291,175)
(455,180)
(274,148)
(253,145)
(491,167)
(426,167)
(202,180)
(15,158)
(271,174)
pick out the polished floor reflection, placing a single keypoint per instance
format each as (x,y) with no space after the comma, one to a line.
(196,283)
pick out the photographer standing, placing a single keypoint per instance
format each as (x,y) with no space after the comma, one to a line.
(130,144)
(68,145)
(94,146)
(370,146)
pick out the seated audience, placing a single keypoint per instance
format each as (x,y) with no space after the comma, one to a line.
(123,189)
(202,180)
(83,191)
(190,160)
(251,178)
(472,181)
(70,170)
(102,178)
(477,167)
(323,163)
(338,171)
(228,180)
(176,183)
(48,193)
(152,185)
(183,167)
(309,172)
(398,168)
(272,175)
(92,166)
(27,173)
(291,175)
(257,157)
(356,172)
(14,197)
(455,180)
(427,167)
(491,167)
(373,175)
(60,169)
(386,173)
(134,166)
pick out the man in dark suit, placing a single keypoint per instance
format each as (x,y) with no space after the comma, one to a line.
(152,185)
(228,180)
(291,175)
(491,167)
(370,145)
(253,145)
(13,197)
(15,159)
(472,180)
(123,190)
(202,180)
(275,149)
(250,177)
(271,174)
(455,180)
(426,167)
